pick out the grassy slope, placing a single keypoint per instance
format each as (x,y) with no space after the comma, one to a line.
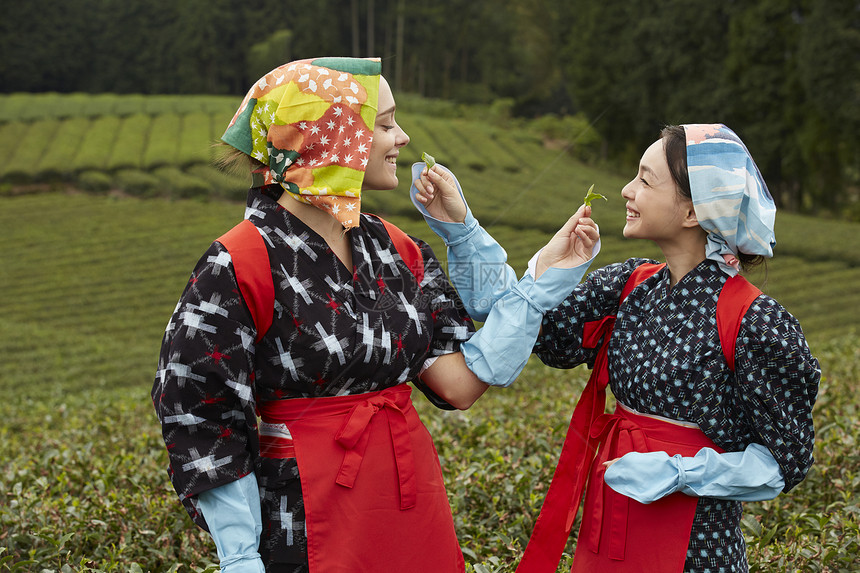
(89,283)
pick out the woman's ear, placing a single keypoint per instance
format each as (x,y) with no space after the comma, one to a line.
(690,218)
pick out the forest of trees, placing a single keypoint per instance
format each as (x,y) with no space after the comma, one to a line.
(785,74)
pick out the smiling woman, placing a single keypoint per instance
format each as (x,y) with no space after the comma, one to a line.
(312,136)
(315,316)
(388,138)
(714,381)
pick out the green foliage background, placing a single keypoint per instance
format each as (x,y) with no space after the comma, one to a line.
(90,278)
(783,73)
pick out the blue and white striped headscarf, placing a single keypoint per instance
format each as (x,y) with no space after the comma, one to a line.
(730,197)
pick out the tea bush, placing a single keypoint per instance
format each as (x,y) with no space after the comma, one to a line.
(89,283)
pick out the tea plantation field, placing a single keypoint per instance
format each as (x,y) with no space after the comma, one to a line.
(106,202)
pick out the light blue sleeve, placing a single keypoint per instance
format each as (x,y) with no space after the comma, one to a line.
(498,352)
(512,311)
(232,512)
(477,264)
(750,475)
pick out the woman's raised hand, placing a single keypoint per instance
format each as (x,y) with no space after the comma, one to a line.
(438,193)
(572,245)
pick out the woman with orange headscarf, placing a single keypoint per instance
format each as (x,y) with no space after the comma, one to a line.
(314,316)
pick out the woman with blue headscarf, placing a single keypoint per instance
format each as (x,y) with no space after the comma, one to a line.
(707,415)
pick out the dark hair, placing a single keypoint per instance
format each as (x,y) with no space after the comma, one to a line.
(675,144)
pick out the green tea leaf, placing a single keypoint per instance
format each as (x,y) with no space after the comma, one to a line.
(591,196)
(428,159)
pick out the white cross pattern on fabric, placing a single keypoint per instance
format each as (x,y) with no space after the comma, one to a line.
(385,342)
(247,340)
(171,325)
(297,242)
(458,332)
(184,419)
(206,464)
(252,211)
(348,308)
(385,256)
(233,415)
(266,237)
(288,523)
(335,286)
(222,259)
(440,300)
(411,311)
(296,285)
(404,376)
(331,342)
(183,373)
(241,387)
(194,322)
(433,275)
(366,336)
(285,359)
(212,306)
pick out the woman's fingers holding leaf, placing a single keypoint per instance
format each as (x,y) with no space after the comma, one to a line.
(425,191)
(444,185)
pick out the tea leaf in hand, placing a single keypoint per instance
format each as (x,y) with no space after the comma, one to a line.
(591,196)
(428,159)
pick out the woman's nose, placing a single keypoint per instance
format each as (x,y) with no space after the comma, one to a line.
(402,138)
(627,191)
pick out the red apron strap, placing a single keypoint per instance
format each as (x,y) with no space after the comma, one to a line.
(638,275)
(253,272)
(610,430)
(564,495)
(406,248)
(735,298)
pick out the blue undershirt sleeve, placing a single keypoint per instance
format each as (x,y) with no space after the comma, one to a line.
(498,352)
(512,311)
(232,512)
(477,264)
(750,475)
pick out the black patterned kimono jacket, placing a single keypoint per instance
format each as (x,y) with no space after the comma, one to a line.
(665,358)
(335,331)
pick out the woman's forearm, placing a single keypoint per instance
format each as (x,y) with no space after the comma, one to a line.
(232,512)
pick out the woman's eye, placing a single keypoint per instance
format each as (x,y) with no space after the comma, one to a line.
(642,179)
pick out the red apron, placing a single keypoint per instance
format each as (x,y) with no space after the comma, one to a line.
(619,534)
(371,484)
(614,527)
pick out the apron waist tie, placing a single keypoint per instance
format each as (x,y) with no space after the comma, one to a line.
(353,436)
(357,411)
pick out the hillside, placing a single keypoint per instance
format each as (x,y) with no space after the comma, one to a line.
(91,274)
(159,147)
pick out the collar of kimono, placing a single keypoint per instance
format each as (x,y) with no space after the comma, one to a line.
(309,125)
(730,197)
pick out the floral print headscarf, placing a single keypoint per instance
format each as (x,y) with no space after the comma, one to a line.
(310,124)
(731,199)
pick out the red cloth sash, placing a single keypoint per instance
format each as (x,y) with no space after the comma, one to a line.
(371,484)
(619,534)
(559,508)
